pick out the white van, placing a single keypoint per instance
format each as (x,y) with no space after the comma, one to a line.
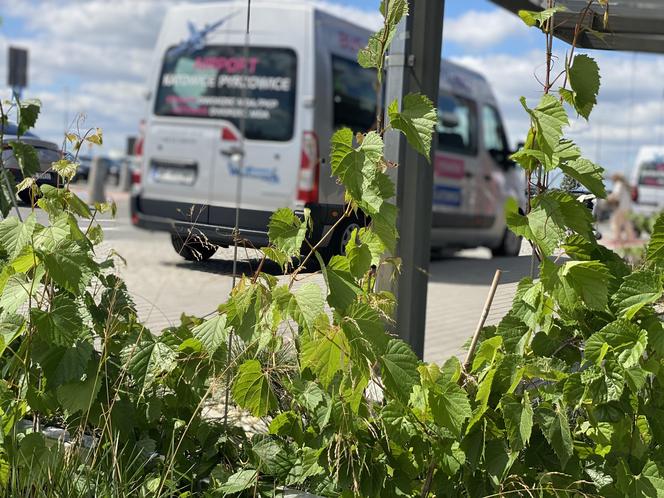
(648,178)
(302,83)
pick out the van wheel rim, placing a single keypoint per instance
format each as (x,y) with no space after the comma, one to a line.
(513,243)
(345,237)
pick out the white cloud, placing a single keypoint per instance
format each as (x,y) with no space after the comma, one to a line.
(629,110)
(481,29)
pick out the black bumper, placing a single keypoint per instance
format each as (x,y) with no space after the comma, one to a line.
(216,223)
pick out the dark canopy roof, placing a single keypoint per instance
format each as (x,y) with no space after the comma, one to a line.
(633,25)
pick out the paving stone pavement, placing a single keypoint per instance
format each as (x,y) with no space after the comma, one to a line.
(164,285)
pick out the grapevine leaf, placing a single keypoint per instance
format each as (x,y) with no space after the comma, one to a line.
(286,231)
(147,360)
(69,267)
(60,325)
(252,390)
(29,111)
(626,340)
(549,118)
(538,18)
(584,80)
(416,121)
(343,290)
(78,396)
(212,333)
(359,256)
(555,428)
(587,174)
(450,407)
(65,168)
(518,416)
(241,480)
(637,290)
(589,279)
(307,305)
(655,250)
(326,354)
(399,369)
(26,157)
(15,235)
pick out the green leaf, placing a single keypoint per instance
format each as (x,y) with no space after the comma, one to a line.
(15,235)
(359,256)
(383,225)
(486,353)
(655,250)
(252,391)
(96,138)
(450,407)
(28,113)
(66,169)
(62,324)
(79,396)
(518,417)
(538,18)
(637,290)
(326,355)
(584,80)
(70,267)
(306,305)
(148,360)
(343,290)
(72,364)
(287,232)
(212,333)
(16,291)
(549,117)
(399,369)
(370,326)
(306,466)
(26,157)
(416,121)
(589,279)
(373,55)
(241,480)
(587,174)
(555,428)
(625,339)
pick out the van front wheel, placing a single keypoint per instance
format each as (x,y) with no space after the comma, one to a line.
(192,248)
(340,237)
(509,246)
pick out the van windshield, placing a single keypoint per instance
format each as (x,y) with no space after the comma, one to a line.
(209,83)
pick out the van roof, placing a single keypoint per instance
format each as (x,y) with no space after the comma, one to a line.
(454,78)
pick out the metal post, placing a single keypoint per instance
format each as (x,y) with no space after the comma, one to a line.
(96,181)
(414,66)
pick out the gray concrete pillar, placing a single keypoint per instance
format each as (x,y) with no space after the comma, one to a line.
(97,181)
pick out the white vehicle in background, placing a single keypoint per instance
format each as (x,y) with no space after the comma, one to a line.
(648,178)
(299,82)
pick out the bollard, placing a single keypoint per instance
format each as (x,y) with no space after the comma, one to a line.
(124,178)
(97,181)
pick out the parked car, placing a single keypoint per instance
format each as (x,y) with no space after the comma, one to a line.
(83,170)
(648,179)
(307,58)
(48,152)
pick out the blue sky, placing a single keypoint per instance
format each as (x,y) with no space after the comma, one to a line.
(89,57)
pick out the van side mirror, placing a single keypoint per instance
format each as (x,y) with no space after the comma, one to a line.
(502,157)
(448,119)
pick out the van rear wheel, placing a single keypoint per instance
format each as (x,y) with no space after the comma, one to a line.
(192,248)
(509,246)
(340,237)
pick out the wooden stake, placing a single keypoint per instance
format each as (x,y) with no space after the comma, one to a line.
(480,324)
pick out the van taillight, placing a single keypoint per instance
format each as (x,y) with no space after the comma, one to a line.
(228,134)
(136,177)
(307,183)
(635,194)
(138,145)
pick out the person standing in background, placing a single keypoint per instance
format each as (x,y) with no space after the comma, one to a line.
(621,201)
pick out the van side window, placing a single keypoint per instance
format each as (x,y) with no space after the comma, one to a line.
(354,95)
(492,129)
(457,124)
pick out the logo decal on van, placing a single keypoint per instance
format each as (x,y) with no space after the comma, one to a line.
(448,167)
(447,196)
(196,40)
(268,175)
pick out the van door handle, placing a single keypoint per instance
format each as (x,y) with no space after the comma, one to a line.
(232,151)
(469,174)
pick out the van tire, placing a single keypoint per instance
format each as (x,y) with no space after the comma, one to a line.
(340,237)
(510,245)
(192,248)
